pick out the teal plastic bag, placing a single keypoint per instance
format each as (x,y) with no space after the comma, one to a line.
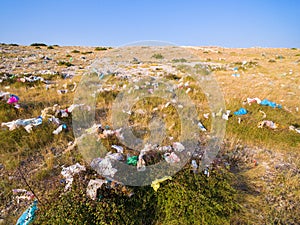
(132,160)
(28,216)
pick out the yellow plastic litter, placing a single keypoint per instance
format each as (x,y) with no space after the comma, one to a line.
(156,183)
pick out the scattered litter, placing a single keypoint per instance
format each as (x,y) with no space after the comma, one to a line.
(69,172)
(178,147)
(206,171)
(103,166)
(28,216)
(74,88)
(63,91)
(3,95)
(226,115)
(115,156)
(253,100)
(235,74)
(241,111)
(22,194)
(13,99)
(60,129)
(266,102)
(295,129)
(118,148)
(156,183)
(141,164)
(54,120)
(93,186)
(264,114)
(27,123)
(201,126)
(171,157)
(206,115)
(132,160)
(267,123)
(194,166)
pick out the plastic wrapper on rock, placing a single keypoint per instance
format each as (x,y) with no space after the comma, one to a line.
(93,187)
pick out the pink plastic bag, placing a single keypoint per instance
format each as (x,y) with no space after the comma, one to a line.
(12,100)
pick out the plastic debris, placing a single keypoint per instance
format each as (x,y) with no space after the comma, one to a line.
(156,183)
(253,100)
(69,172)
(264,114)
(63,91)
(3,95)
(235,75)
(226,115)
(178,147)
(206,115)
(141,164)
(206,171)
(93,186)
(132,160)
(267,123)
(13,99)
(118,148)
(26,123)
(171,157)
(74,106)
(201,126)
(194,166)
(103,167)
(22,194)
(60,129)
(54,120)
(266,102)
(295,129)
(239,120)
(241,111)
(28,216)
(115,156)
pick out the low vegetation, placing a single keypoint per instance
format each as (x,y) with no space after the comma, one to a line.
(255,179)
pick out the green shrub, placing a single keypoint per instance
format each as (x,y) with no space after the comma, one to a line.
(50,47)
(157,56)
(38,44)
(85,53)
(187,199)
(75,51)
(64,63)
(100,48)
(182,60)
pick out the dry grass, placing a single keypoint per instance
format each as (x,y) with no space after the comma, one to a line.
(262,188)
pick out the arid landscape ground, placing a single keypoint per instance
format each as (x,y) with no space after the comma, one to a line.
(255,178)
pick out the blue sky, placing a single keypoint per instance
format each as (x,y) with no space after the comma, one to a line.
(227,23)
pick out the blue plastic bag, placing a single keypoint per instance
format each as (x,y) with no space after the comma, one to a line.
(266,102)
(28,216)
(240,112)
